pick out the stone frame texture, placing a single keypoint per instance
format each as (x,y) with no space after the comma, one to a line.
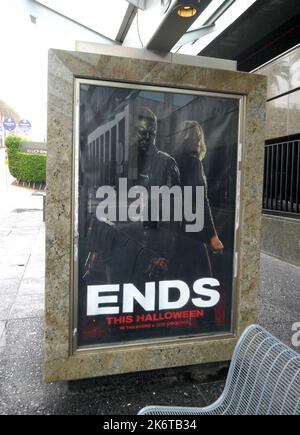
(64,67)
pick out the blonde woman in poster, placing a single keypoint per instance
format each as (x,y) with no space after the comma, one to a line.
(192,150)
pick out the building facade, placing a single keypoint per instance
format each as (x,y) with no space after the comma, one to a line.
(281,201)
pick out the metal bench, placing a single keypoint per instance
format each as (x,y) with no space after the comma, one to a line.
(263,379)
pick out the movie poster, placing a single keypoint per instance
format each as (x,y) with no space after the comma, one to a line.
(157,189)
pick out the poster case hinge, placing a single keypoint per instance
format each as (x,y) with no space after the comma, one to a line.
(240,154)
(75,337)
(236,264)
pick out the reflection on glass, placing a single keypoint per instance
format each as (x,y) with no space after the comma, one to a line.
(147,267)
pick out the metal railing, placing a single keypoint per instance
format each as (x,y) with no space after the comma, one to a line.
(282,177)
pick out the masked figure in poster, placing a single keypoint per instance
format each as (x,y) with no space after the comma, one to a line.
(155,168)
(141,251)
(196,264)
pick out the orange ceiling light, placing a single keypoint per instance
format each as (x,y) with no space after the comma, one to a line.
(188,8)
(187,11)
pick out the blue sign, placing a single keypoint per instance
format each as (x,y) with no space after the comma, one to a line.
(24,125)
(9,124)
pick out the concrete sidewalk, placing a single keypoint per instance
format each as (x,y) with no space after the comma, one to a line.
(22,390)
(14,197)
(21,250)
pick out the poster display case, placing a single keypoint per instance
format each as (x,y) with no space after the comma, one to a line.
(153,213)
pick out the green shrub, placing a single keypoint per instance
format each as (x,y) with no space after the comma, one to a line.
(32,167)
(13,145)
(25,166)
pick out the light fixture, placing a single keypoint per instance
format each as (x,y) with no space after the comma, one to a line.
(179,17)
(188,8)
(187,11)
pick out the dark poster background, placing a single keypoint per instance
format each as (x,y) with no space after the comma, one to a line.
(121,253)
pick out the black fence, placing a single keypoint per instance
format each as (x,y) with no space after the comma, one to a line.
(282,176)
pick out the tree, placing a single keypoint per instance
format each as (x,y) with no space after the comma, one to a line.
(7,111)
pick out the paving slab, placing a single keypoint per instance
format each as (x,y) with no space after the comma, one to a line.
(11,272)
(35,271)
(32,286)
(13,259)
(23,338)
(6,305)
(8,287)
(27,306)
(2,329)
(276,312)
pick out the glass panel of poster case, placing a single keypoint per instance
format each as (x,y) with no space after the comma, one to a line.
(156,203)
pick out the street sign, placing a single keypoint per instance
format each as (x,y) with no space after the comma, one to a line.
(9,124)
(24,125)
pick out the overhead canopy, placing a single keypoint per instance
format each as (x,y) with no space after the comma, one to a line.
(249,31)
(102,16)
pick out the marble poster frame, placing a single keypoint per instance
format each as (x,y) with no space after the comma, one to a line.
(61,363)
